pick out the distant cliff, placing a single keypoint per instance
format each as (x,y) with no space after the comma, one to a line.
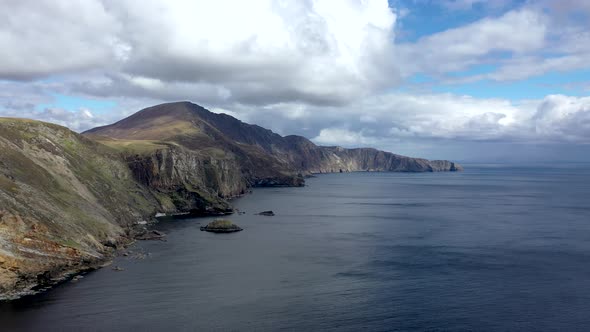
(68,200)
(323,159)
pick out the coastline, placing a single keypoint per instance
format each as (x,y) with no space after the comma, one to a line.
(62,273)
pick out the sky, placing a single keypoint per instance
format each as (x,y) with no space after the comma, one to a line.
(466,80)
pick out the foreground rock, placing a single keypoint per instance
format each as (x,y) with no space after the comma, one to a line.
(221,226)
(266,213)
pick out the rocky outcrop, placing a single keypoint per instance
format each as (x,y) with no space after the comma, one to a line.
(151,235)
(268,213)
(221,226)
(187,181)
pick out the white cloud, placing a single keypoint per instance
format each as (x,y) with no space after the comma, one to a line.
(519,32)
(317,51)
(563,117)
(340,136)
(539,37)
(529,67)
(40,38)
(398,117)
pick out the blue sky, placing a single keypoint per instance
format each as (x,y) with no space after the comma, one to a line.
(569,83)
(425,18)
(73,103)
(400,75)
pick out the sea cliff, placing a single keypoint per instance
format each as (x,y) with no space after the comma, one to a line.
(69,200)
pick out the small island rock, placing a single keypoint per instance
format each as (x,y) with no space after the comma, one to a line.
(221,226)
(266,213)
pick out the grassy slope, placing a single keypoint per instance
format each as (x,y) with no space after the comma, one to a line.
(62,198)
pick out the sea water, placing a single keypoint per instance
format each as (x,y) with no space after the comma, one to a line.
(494,248)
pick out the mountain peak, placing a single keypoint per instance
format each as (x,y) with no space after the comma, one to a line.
(158,122)
(187,122)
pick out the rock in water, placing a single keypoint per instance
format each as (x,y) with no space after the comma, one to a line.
(151,235)
(266,213)
(221,226)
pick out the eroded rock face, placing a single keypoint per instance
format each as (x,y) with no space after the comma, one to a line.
(189,181)
(32,256)
(66,203)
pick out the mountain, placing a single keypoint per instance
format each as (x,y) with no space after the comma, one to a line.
(68,200)
(263,157)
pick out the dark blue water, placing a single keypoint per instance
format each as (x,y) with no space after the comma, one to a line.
(495,248)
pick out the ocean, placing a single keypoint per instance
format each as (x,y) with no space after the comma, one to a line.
(494,248)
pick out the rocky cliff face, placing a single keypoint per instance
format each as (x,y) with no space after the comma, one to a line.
(187,181)
(67,200)
(309,157)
